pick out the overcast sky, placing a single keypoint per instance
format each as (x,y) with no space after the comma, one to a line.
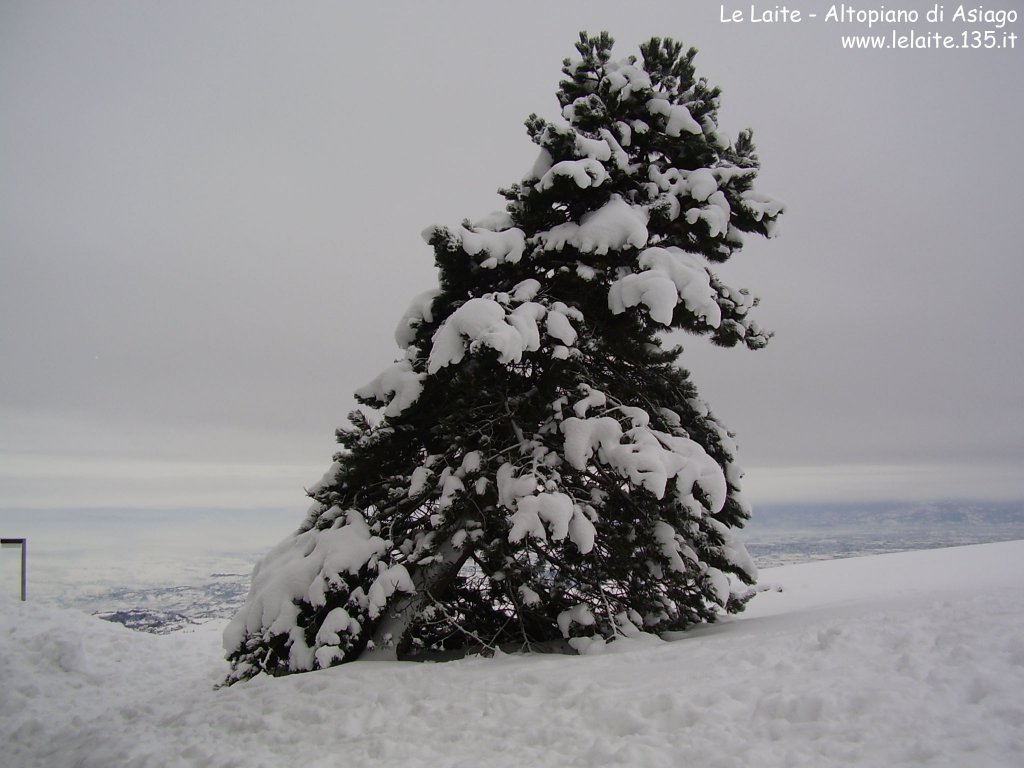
(210,218)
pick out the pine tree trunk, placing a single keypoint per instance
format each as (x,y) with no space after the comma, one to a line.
(390,639)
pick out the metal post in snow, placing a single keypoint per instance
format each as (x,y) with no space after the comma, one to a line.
(23,543)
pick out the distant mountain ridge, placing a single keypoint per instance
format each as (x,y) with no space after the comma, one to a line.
(890,514)
(784,534)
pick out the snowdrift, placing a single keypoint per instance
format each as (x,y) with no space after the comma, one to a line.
(908,659)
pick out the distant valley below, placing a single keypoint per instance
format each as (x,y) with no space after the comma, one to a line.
(163,571)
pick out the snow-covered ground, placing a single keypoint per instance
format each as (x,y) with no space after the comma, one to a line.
(909,659)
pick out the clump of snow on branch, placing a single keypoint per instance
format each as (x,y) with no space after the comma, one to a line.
(554,509)
(306,567)
(761,205)
(419,310)
(715,214)
(557,324)
(679,118)
(390,580)
(593,398)
(586,173)
(527,290)
(533,509)
(579,614)
(398,385)
(670,275)
(674,187)
(646,457)
(624,78)
(614,226)
(329,636)
(503,247)
(593,149)
(484,321)
(329,477)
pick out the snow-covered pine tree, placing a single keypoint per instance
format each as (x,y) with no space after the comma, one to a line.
(539,466)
